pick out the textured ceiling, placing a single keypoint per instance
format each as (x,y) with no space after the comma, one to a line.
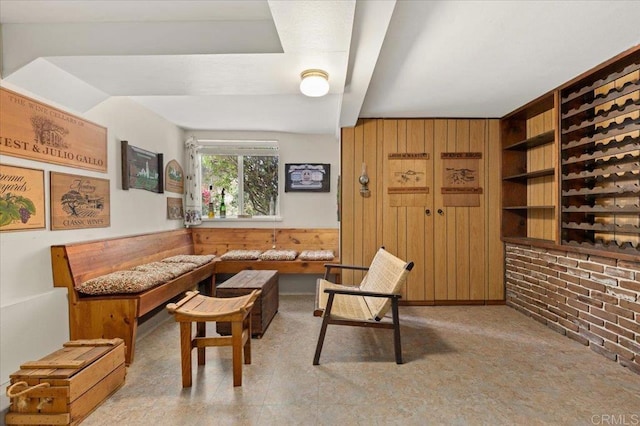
(235,65)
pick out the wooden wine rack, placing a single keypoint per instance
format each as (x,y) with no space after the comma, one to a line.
(600,158)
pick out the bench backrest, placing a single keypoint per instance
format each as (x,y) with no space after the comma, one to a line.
(220,240)
(76,263)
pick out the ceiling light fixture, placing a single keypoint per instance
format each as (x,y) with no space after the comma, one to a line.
(315,83)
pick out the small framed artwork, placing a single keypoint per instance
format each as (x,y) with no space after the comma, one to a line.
(141,169)
(307,177)
(79,202)
(22,204)
(175,210)
(174,177)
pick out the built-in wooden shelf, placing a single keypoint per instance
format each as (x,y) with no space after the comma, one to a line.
(541,139)
(530,175)
(529,207)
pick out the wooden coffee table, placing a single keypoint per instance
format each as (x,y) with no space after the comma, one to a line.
(265,307)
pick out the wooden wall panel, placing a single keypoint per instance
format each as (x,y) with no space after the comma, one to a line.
(369,157)
(494,273)
(458,254)
(390,214)
(462,222)
(401,212)
(477,262)
(358,205)
(449,221)
(416,236)
(429,236)
(440,230)
(347,180)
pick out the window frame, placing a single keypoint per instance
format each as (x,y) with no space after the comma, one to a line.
(241,148)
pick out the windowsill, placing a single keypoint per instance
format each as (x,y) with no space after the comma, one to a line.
(243,219)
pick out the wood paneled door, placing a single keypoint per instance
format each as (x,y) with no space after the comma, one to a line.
(457,251)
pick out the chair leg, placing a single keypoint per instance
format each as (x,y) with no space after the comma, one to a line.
(201,328)
(323,329)
(236,345)
(247,345)
(396,330)
(185,352)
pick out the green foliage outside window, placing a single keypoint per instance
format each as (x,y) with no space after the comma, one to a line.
(260,177)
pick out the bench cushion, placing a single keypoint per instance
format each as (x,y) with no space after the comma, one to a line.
(198,259)
(317,255)
(241,255)
(279,255)
(168,270)
(120,282)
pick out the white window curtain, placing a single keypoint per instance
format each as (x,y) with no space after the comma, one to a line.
(192,196)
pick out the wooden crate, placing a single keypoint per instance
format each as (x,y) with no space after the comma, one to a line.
(65,386)
(265,307)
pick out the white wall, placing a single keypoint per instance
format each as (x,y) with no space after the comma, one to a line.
(34,314)
(298,209)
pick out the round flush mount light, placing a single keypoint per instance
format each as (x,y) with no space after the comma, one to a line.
(315,83)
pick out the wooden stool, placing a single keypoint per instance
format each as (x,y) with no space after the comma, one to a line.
(200,309)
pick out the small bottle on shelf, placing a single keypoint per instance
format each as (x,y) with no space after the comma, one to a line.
(211,211)
(223,208)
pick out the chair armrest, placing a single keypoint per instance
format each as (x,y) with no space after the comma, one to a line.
(362,293)
(328,267)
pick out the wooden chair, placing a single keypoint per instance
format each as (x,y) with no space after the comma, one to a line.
(200,309)
(364,305)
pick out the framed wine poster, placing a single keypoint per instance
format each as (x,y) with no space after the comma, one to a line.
(22,204)
(79,202)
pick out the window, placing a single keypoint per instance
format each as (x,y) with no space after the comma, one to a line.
(247,171)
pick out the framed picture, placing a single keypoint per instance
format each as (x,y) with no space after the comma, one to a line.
(141,169)
(306,177)
(174,177)
(21,198)
(79,202)
(175,210)
(37,131)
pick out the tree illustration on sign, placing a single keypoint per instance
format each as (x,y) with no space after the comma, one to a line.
(47,132)
(74,203)
(71,201)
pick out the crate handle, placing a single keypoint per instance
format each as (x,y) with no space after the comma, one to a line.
(22,400)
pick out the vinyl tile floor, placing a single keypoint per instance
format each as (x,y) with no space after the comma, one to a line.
(463,365)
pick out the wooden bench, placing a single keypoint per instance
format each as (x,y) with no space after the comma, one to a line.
(93,317)
(218,241)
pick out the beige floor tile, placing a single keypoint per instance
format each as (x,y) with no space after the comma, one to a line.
(464,365)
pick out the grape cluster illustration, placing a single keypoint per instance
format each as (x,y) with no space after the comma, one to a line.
(15,208)
(24,215)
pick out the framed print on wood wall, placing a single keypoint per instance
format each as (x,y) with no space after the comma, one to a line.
(79,202)
(21,198)
(141,169)
(35,131)
(307,177)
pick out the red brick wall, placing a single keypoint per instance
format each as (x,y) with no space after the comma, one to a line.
(591,299)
